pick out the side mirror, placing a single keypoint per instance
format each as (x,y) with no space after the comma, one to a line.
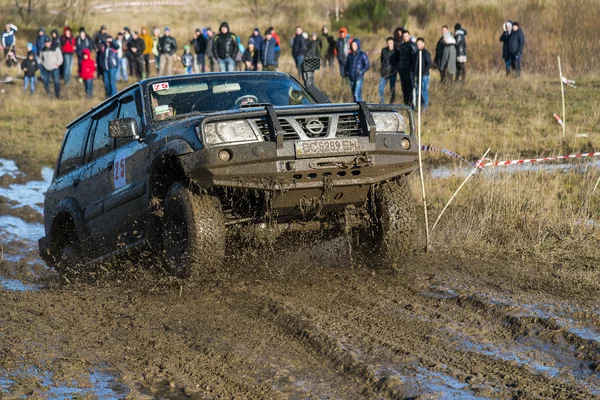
(123,128)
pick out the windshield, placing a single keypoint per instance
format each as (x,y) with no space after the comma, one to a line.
(207,94)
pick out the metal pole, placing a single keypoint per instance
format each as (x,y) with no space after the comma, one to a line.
(420,157)
(562,90)
(337,10)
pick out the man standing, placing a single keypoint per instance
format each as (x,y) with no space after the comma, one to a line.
(439,50)
(148,44)
(100,38)
(505,38)
(209,49)
(342,48)
(424,64)
(356,66)
(299,49)
(388,71)
(68,44)
(406,67)
(258,39)
(9,41)
(269,52)
(326,47)
(155,39)
(225,48)
(52,59)
(127,50)
(167,46)
(108,60)
(81,43)
(137,47)
(461,52)
(516,43)
(199,43)
(447,64)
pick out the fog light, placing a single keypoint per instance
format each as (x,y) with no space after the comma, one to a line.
(224,155)
(405,144)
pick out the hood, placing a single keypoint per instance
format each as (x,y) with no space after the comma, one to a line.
(226,25)
(54,31)
(344,30)
(461,32)
(42,30)
(398,32)
(449,40)
(357,41)
(31,53)
(87,51)
(67,28)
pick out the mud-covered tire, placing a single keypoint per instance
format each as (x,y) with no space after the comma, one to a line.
(394,229)
(193,232)
(69,261)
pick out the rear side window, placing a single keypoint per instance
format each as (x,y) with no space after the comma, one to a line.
(72,154)
(130,107)
(102,142)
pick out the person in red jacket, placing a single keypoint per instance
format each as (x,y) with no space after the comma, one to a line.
(67,45)
(87,73)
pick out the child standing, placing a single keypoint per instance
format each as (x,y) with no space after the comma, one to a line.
(187,59)
(87,73)
(29,67)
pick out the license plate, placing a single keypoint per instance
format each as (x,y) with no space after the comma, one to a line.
(328,147)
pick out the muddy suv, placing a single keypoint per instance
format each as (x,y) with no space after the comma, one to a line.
(180,166)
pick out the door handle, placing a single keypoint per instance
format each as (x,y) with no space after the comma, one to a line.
(110,165)
(76,182)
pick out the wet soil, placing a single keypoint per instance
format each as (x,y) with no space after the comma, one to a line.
(306,322)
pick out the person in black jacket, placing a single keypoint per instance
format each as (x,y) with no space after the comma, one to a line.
(406,66)
(516,42)
(82,42)
(505,38)
(167,46)
(299,49)
(388,71)
(424,64)
(439,49)
(199,42)
(29,67)
(99,38)
(225,48)
(137,47)
(461,51)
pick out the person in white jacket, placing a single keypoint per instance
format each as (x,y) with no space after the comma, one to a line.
(51,60)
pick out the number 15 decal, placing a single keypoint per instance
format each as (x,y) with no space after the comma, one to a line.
(120,170)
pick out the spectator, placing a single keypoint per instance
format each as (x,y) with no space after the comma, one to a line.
(187,59)
(299,49)
(250,56)
(68,45)
(127,51)
(239,64)
(87,72)
(269,52)
(39,41)
(55,38)
(398,37)
(200,44)
(29,67)
(110,64)
(257,38)
(406,67)
(137,47)
(276,36)
(448,62)
(167,46)
(225,48)
(81,43)
(461,52)
(123,64)
(439,49)
(516,42)
(505,38)
(8,43)
(388,71)
(52,59)
(357,64)
(326,47)
(342,48)
(99,39)
(30,47)
(312,47)
(426,64)
(209,49)
(148,47)
(155,39)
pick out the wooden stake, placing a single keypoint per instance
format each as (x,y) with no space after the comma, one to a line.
(420,157)
(562,90)
(458,190)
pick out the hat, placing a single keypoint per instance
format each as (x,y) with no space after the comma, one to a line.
(186,47)
(47,40)
(126,29)
(251,41)
(103,27)
(457,27)
(256,30)
(343,30)
(167,29)
(268,32)
(135,32)
(82,29)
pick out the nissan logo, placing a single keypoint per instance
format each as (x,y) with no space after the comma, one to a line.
(315,127)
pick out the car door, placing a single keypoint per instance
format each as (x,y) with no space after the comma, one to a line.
(127,204)
(96,179)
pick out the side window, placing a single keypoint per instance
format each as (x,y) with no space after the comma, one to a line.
(130,107)
(102,142)
(72,154)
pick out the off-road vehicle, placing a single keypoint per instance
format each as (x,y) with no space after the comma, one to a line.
(181,165)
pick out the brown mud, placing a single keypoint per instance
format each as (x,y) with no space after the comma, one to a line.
(304,322)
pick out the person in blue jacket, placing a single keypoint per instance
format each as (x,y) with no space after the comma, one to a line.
(356,66)
(268,52)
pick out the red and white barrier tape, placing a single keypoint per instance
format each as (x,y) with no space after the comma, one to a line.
(489,163)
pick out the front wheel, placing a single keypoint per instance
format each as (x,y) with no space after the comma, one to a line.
(193,232)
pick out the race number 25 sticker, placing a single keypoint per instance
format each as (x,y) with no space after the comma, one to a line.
(160,86)
(120,170)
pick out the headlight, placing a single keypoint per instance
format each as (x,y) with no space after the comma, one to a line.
(228,132)
(389,122)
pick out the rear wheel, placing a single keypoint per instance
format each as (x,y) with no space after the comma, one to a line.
(193,232)
(69,262)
